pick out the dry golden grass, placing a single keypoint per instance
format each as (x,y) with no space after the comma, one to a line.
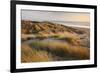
(66,43)
(32,55)
(72,40)
(64,49)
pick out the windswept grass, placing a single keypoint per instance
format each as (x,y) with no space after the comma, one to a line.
(29,54)
(47,41)
(72,39)
(63,49)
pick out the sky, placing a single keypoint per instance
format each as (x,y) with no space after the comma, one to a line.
(55,16)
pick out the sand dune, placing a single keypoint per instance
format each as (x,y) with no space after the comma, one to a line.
(55,42)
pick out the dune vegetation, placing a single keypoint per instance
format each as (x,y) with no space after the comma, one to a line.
(47,41)
(33,55)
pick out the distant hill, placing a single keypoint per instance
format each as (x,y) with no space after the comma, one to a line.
(32,27)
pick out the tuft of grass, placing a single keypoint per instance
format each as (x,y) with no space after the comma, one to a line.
(57,36)
(74,40)
(29,54)
(63,49)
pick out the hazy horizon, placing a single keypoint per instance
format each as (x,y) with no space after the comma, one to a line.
(81,19)
(54,16)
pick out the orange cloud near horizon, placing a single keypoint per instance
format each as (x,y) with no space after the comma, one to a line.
(78,17)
